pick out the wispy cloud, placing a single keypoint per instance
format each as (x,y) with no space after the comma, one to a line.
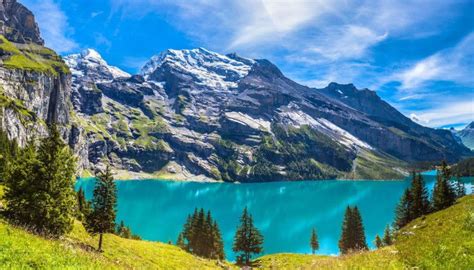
(53,24)
(460,112)
(453,64)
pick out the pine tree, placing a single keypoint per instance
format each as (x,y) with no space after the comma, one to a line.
(460,189)
(359,232)
(83,206)
(347,238)
(247,239)
(420,200)
(378,241)
(8,150)
(102,218)
(353,235)
(201,236)
(387,236)
(404,210)
(180,242)
(314,243)
(443,193)
(41,182)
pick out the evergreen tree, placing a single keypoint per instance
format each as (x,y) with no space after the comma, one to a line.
(359,232)
(353,235)
(460,189)
(247,239)
(102,218)
(40,186)
(83,206)
(404,210)
(347,238)
(378,241)
(443,193)
(8,150)
(314,243)
(201,236)
(387,236)
(420,200)
(218,243)
(180,242)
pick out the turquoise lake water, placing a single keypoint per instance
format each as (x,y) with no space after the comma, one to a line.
(285,212)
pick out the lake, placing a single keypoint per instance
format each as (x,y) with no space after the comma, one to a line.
(285,212)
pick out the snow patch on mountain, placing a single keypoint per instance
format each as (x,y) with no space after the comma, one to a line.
(210,69)
(89,61)
(298,118)
(245,119)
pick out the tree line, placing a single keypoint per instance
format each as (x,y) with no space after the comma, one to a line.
(39,189)
(415,201)
(39,194)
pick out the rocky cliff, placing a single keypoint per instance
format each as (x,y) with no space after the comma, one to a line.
(200,114)
(34,81)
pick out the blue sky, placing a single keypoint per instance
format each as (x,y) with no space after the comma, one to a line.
(418,55)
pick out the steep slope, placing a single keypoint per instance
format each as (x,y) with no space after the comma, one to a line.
(442,240)
(467,135)
(199,114)
(34,80)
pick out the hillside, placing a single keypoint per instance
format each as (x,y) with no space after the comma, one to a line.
(438,241)
(442,240)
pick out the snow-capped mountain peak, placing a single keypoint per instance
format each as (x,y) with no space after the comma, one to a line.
(208,68)
(90,62)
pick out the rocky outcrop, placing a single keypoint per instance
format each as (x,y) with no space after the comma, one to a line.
(18,24)
(237,119)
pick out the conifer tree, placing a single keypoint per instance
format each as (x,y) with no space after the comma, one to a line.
(460,189)
(201,236)
(347,237)
(353,235)
(83,206)
(102,218)
(378,241)
(387,236)
(443,193)
(247,240)
(420,200)
(404,210)
(359,232)
(314,243)
(180,242)
(217,251)
(40,188)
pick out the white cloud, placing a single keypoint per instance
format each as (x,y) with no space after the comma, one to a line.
(53,24)
(448,114)
(454,64)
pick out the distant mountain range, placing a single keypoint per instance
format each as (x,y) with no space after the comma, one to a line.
(467,135)
(197,114)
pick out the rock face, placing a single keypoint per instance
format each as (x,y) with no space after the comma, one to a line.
(236,119)
(34,90)
(18,24)
(467,135)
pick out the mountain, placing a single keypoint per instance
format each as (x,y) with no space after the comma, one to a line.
(202,115)
(467,135)
(34,80)
(197,114)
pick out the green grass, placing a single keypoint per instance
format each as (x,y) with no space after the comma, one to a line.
(442,240)
(31,57)
(20,249)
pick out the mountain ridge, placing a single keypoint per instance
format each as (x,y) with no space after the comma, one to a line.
(203,99)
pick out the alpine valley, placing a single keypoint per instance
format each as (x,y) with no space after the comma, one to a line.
(200,115)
